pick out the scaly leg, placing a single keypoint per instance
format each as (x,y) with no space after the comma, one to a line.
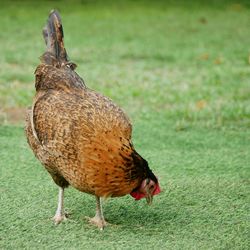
(60,214)
(99,218)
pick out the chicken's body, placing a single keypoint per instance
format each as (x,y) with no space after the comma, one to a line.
(81,137)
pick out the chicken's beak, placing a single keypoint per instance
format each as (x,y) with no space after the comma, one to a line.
(149,199)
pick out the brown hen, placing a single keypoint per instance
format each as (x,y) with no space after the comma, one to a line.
(80,136)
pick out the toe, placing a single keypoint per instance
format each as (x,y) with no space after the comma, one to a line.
(100,223)
(59,218)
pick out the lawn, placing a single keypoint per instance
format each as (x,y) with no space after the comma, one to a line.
(181,71)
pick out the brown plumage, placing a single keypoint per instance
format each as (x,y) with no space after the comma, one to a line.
(81,137)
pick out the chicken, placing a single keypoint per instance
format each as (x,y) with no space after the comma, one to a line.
(80,136)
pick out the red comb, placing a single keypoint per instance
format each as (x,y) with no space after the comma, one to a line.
(157,190)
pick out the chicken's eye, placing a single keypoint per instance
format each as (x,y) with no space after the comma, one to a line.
(72,66)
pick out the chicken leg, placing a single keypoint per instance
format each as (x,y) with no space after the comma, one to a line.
(60,214)
(98,220)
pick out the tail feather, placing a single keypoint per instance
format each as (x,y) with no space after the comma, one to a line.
(53,36)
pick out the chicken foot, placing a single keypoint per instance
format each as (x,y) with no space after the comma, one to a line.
(98,220)
(60,213)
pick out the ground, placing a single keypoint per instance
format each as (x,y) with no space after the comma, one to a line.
(181,72)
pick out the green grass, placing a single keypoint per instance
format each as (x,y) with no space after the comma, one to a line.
(181,71)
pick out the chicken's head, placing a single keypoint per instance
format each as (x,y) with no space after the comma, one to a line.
(147,189)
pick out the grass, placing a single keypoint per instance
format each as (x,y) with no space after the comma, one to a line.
(181,72)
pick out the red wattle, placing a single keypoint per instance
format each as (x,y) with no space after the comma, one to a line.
(137,195)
